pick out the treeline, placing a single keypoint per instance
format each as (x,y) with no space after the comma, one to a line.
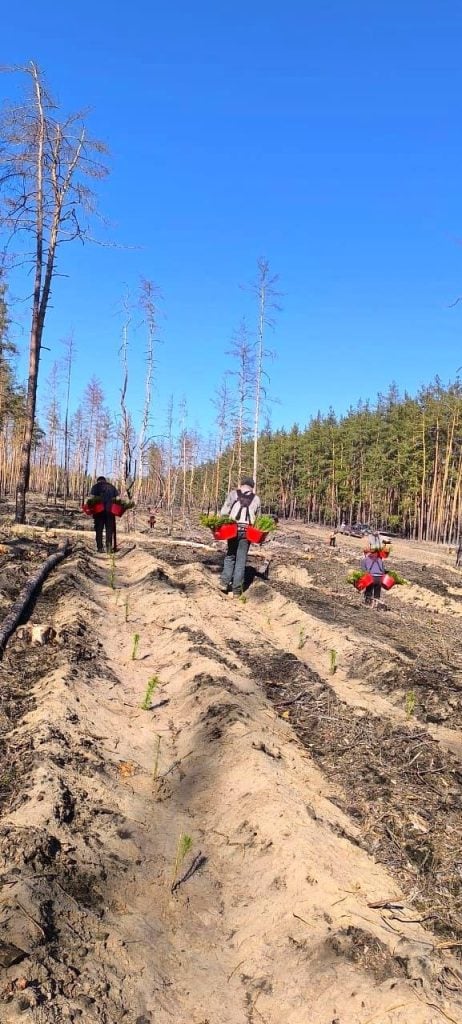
(396,464)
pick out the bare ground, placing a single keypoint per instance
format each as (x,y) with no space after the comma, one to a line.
(322,881)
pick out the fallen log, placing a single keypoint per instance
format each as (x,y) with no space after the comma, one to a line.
(34,582)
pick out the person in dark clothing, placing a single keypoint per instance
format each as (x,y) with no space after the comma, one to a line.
(243,505)
(105,521)
(373,564)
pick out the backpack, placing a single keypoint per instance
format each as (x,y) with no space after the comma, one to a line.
(244,501)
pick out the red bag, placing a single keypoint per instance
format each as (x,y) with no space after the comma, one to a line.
(93,510)
(117,509)
(388,582)
(225,532)
(364,582)
(255,536)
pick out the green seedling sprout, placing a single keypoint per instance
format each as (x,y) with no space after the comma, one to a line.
(183,847)
(136,640)
(156,758)
(151,685)
(333,661)
(301,638)
(411,701)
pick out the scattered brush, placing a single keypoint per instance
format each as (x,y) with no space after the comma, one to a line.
(265,523)
(183,847)
(150,687)
(214,521)
(411,701)
(332,661)
(136,640)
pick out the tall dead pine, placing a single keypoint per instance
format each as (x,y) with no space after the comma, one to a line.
(45,163)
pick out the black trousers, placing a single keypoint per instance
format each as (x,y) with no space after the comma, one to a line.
(105,522)
(373,590)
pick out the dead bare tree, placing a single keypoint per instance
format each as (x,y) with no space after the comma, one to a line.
(44,166)
(243,353)
(126,428)
(266,294)
(223,403)
(68,361)
(149,295)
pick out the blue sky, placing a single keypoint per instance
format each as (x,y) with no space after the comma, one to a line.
(323,136)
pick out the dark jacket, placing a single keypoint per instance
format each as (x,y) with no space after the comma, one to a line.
(107,492)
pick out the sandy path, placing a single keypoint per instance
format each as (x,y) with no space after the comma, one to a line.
(274,923)
(235,949)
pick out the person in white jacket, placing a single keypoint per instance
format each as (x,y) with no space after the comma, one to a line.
(243,505)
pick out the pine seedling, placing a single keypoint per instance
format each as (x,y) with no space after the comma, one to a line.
(112,571)
(151,685)
(411,701)
(333,661)
(136,640)
(301,638)
(183,847)
(126,609)
(156,758)
(243,598)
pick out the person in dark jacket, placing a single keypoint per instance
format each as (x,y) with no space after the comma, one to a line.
(244,506)
(373,564)
(105,521)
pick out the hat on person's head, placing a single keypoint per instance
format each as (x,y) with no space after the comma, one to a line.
(248,481)
(101,480)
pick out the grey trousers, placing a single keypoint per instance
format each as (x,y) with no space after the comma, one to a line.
(235,562)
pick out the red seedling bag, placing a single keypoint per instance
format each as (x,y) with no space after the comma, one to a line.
(93,510)
(117,509)
(364,582)
(388,582)
(255,536)
(225,532)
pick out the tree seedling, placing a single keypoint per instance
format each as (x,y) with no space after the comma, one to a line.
(112,571)
(156,758)
(183,847)
(151,685)
(136,640)
(333,661)
(411,701)
(301,638)
(126,609)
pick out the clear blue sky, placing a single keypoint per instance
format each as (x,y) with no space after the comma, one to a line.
(324,136)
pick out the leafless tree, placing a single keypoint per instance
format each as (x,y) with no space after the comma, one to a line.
(266,295)
(244,354)
(45,164)
(223,403)
(149,295)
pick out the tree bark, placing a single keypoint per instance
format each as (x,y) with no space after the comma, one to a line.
(20,606)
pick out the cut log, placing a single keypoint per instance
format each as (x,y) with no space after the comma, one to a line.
(33,584)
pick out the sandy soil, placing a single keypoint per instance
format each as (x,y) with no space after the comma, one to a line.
(277,836)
